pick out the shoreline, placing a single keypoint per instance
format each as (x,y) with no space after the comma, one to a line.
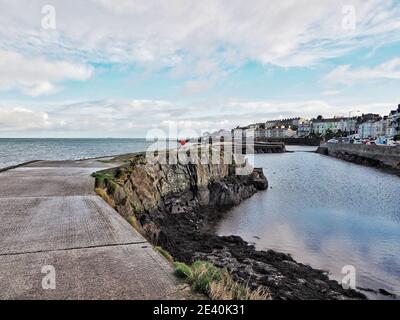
(177,220)
(113,156)
(234,252)
(18,165)
(279,273)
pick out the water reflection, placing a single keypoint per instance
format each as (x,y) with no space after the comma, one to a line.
(326,213)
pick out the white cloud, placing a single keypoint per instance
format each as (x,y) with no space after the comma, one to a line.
(344,74)
(195,86)
(133,118)
(37,76)
(21,119)
(170,33)
(198,42)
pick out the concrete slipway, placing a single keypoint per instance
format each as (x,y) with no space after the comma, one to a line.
(50,215)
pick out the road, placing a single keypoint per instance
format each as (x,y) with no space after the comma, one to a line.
(59,240)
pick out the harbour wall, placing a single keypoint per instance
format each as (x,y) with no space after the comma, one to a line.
(372,155)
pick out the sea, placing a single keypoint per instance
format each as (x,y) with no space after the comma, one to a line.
(14,151)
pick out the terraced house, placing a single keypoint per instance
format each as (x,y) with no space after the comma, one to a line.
(321,126)
(376,127)
(393,123)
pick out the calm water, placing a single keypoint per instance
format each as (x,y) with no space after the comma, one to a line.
(14,151)
(326,213)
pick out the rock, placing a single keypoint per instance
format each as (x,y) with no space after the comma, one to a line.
(259,180)
(124,210)
(203,194)
(386,293)
(119,195)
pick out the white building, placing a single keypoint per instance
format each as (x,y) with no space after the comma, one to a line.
(270,124)
(345,125)
(276,128)
(380,128)
(280,132)
(366,130)
(304,129)
(393,122)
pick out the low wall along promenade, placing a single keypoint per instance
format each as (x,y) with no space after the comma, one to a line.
(372,155)
(292,141)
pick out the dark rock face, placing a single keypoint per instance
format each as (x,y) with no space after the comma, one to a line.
(175,204)
(322,150)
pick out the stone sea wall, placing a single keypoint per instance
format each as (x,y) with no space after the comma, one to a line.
(372,155)
(293,141)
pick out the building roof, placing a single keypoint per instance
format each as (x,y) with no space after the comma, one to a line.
(336,119)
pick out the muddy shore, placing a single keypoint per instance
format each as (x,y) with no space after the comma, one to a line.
(187,238)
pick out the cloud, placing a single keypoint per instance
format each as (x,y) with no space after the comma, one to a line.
(134,118)
(198,44)
(37,76)
(192,87)
(21,119)
(157,34)
(330,92)
(88,118)
(346,75)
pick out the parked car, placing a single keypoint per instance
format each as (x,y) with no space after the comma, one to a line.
(357,141)
(392,143)
(333,141)
(365,141)
(381,141)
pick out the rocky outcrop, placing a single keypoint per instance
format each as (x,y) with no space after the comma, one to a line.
(141,187)
(174,204)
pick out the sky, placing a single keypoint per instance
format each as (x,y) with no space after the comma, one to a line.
(125,68)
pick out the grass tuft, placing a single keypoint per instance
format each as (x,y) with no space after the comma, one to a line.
(134,223)
(217,283)
(228,289)
(102,179)
(165,254)
(111,187)
(203,274)
(182,270)
(103,176)
(103,194)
